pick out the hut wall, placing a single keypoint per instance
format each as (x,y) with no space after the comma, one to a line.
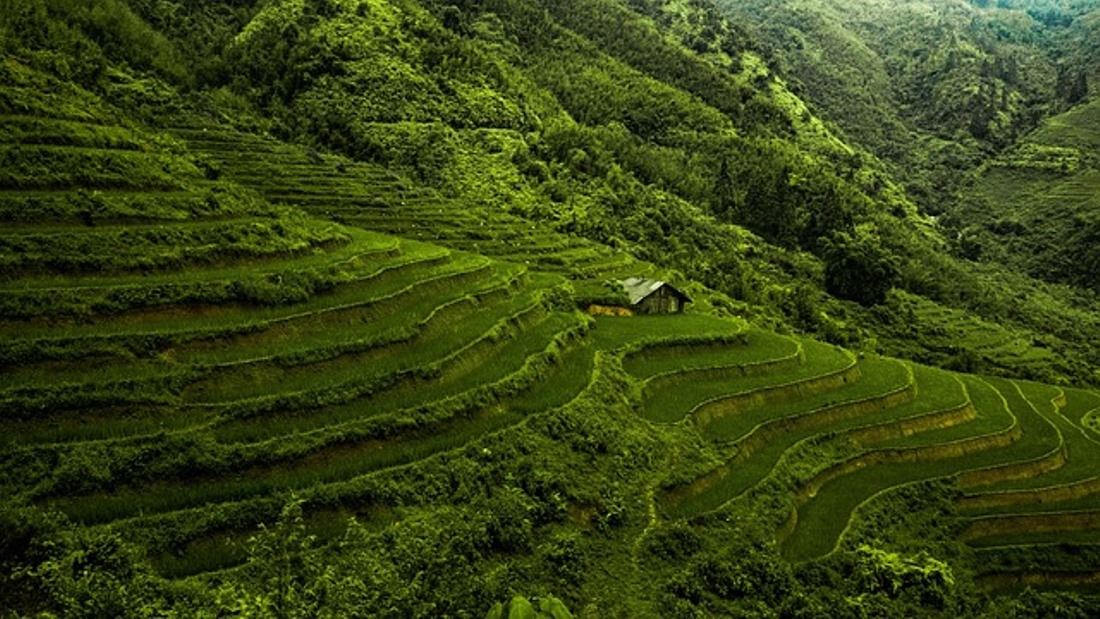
(663,301)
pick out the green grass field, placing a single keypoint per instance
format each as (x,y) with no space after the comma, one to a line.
(197,326)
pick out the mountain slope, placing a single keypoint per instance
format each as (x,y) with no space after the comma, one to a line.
(348,375)
(933,87)
(1034,206)
(631,140)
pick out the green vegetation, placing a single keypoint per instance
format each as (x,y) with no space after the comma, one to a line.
(1046,189)
(292,309)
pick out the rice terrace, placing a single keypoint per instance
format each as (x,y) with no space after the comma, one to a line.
(568,308)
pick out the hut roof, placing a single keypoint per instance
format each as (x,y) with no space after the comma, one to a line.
(638,288)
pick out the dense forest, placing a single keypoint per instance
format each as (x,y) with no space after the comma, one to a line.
(291,299)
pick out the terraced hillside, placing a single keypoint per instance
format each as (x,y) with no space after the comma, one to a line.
(373,197)
(168,331)
(1045,192)
(817,442)
(184,357)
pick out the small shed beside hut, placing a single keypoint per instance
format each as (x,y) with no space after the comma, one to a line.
(653,296)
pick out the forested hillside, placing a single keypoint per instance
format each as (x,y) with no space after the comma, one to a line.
(961,100)
(647,127)
(292,297)
(1034,207)
(934,87)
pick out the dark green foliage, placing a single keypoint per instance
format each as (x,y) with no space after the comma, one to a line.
(1033,604)
(745,578)
(23,168)
(204,28)
(906,80)
(92,208)
(927,581)
(858,268)
(519,607)
(473,100)
(54,568)
(77,40)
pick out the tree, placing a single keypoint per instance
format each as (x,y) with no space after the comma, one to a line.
(857,267)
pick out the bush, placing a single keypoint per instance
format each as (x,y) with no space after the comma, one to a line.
(921,578)
(857,267)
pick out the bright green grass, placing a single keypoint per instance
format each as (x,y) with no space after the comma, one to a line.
(159,340)
(180,246)
(106,426)
(16,129)
(447,225)
(615,266)
(879,377)
(671,358)
(343,461)
(322,184)
(822,521)
(1077,127)
(991,418)
(390,309)
(360,241)
(569,376)
(564,381)
(951,329)
(409,308)
(266,286)
(674,403)
(49,231)
(56,167)
(39,95)
(20,209)
(300,329)
(1091,422)
(617,333)
(556,251)
(1080,404)
(1083,451)
(445,337)
(372,271)
(1039,436)
(405,393)
(216,337)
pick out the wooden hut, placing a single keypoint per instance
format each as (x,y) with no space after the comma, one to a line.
(653,296)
